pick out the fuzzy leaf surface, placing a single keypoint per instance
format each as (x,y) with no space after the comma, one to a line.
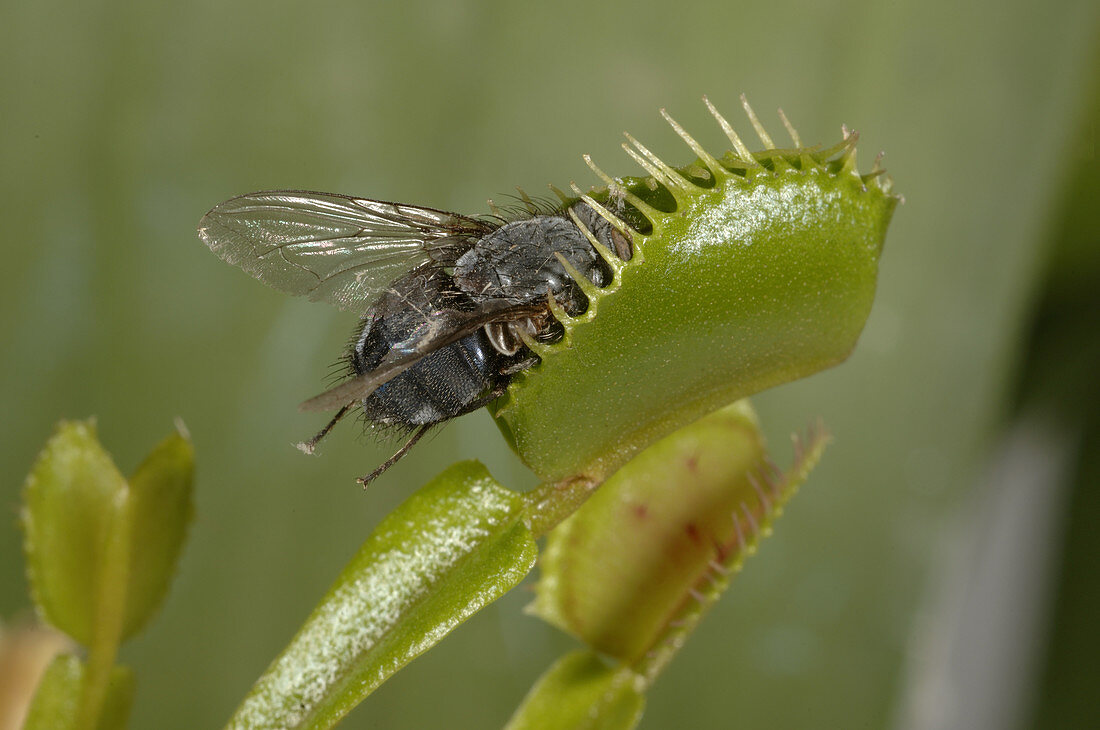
(452,548)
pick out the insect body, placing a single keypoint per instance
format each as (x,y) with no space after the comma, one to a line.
(449,299)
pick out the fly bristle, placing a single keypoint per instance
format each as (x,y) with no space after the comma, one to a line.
(522,206)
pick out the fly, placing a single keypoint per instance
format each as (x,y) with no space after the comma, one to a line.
(447,301)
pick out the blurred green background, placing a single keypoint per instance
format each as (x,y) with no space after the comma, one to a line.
(936,571)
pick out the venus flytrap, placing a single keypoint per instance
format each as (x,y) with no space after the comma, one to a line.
(753,270)
(633,571)
(729,275)
(748,270)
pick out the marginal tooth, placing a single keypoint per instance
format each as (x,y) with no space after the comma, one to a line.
(604,213)
(618,189)
(591,291)
(612,184)
(699,171)
(610,259)
(697,148)
(559,313)
(635,253)
(832,152)
(849,154)
(738,146)
(741,542)
(762,133)
(673,176)
(560,193)
(529,204)
(791,130)
(877,168)
(652,169)
(752,521)
(539,349)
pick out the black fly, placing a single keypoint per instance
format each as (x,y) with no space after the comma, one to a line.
(448,299)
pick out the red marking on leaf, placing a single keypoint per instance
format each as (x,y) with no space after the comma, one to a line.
(693,532)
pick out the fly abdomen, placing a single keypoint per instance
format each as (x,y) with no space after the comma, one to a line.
(442,385)
(445,382)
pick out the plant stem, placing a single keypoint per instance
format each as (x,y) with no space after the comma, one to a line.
(549,503)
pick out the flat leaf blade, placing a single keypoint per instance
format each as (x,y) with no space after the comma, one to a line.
(71,497)
(162,505)
(450,549)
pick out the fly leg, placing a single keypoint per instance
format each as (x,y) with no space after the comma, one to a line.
(307,447)
(396,457)
(516,367)
(489,397)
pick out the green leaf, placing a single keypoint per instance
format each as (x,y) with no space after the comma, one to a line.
(57,699)
(685,512)
(452,548)
(162,507)
(674,507)
(100,551)
(78,509)
(581,692)
(73,501)
(754,271)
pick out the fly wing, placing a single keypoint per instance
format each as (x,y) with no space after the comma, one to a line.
(331,247)
(443,328)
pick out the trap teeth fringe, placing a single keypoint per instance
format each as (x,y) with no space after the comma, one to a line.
(617,190)
(613,262)
(649,200)
(739,147)
(681,183)
(762,133)
(712,164)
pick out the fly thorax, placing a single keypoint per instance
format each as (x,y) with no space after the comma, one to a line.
(520,262)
